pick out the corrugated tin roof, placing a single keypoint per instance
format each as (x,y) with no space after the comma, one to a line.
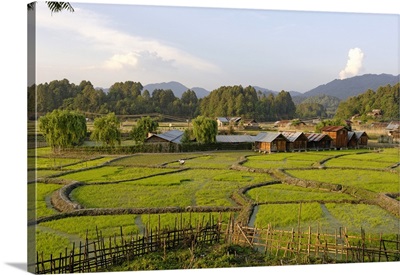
(332,128)
(350,135)
(393,125)
(360,133)
(171,136)
(234,138)
(316,137)
(223,119)
(267,136)
(292,136)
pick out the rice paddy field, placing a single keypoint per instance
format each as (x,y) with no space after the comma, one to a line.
(207,179)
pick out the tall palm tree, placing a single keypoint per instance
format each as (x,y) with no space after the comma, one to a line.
(54,6)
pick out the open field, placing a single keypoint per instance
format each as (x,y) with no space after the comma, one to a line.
(208,180)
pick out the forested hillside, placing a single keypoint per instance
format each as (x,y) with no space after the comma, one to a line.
(385,98)
(130,98)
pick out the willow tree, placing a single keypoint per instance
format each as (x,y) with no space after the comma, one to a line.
(205,129)
(106,129)
(143,126)
(63,129)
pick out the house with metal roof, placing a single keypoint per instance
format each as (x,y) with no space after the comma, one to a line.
(297,141)
(235,139)
(318,141)
(173,136)
(222,121)
(269,142)
(393,130)
(338,134)
(357,139)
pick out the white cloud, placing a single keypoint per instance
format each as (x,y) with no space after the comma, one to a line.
(354,63)
(119,49)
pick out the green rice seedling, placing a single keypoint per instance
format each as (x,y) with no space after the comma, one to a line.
(371,218)
(376,181)
(152,159)
(113,173)
(38,206)
(124,195)
(51,243)
(285,160)
(52,163)
(219,160)
(171,221)
(284,192)
(85,226)
(286,216)
(89,163)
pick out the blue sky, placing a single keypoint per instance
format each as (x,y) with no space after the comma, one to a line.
(212,47)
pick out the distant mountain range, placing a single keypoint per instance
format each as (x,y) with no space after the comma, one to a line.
(353,86)
(176,87)
(341,89)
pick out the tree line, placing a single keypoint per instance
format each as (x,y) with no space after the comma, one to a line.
(65,129)
(385,98)
(129,98)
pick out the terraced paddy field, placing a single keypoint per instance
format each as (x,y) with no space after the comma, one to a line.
(209,179)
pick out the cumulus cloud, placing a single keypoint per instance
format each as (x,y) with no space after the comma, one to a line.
(121,49)
(354,63)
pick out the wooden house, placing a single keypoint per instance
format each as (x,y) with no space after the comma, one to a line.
(352,140)
(338,134)
(318,141)
(222,122)
(393,130)
(269,142)
(357,139)
(173,136)
(362,138)
(297,141)
(250,124)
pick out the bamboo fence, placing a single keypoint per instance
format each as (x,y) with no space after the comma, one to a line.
(100,254)
(330,247)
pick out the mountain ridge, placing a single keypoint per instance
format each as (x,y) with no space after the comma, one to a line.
(341,89)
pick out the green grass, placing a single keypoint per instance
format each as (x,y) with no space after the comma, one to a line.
(371,159)
(51,163)
(331,216)
(219,160)
(370,217)
(152,159)
(40,191)
(285,160)
(284,192)
(89,163)
(51,243)
(171,221)
(108,225)
(190,187)
(113,173)
(375,181)
(286,215)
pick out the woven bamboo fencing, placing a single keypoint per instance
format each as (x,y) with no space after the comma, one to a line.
(336,247)
(98,255)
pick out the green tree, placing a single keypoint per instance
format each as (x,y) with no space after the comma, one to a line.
(107,130)
(205,129)
(330,122)
(143,126)
(63,128)
(187,136)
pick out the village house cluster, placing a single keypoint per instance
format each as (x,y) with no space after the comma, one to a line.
(331,137)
